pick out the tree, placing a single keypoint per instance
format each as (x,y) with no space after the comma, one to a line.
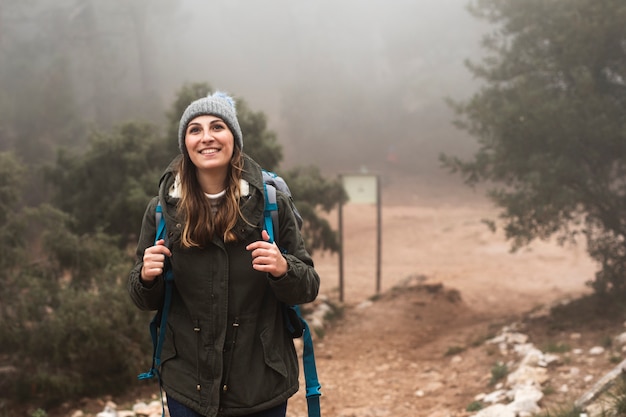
(55,285)
(108,187)
(551,127)
(12,179)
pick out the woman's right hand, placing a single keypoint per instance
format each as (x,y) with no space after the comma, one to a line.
(154,261)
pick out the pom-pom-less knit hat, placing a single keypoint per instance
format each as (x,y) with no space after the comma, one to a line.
(217,104)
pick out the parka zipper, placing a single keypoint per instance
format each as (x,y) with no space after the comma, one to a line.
(196,329)
(232,353)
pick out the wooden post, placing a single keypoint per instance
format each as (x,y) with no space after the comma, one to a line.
(340,226)
(378,234)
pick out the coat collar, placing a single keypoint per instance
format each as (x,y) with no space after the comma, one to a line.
(169,184)
(251,201)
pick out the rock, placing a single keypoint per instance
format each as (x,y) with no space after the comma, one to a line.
(596,350)
(433,386)
(621,339)
(496,410)
(494,397)
(527,375)
(531,355)
(109,411)
(526,401)
(148,410)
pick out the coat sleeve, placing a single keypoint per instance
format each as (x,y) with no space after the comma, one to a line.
(301,283)
(146,297)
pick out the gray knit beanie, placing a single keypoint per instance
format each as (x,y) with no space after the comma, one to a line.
(217,104)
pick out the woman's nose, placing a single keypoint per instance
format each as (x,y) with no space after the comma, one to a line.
(207,135)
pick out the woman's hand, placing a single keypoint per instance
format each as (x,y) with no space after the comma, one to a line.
(266,257)
(154,261)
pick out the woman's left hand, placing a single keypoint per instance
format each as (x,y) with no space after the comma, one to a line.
(266,257)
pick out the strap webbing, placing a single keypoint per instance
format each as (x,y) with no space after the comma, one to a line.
(158,324)
(270,213)
(312,384)
(311,380)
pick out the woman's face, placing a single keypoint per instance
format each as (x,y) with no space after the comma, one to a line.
(210,143)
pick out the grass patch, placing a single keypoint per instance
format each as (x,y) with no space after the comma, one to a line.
(557,347)
(498,372)
(474,406)
(454,350)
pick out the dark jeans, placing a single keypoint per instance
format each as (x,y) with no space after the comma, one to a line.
(179,410)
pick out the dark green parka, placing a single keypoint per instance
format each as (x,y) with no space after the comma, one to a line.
(226,350)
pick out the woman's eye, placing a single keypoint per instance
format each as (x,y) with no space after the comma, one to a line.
(194,130)
(218,126)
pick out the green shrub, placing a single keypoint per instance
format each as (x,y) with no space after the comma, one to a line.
(498,372)
(72,341)
(454,350)
(554,347)
(474,406)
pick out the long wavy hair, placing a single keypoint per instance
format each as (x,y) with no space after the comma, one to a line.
(201,225)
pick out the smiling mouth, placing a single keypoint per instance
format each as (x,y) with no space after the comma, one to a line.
(209,151)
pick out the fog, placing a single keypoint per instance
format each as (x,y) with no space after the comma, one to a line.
(345,84)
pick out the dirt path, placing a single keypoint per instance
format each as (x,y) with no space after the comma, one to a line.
(394,357)
(436,230)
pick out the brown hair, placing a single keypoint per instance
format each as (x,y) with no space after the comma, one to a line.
(201,225)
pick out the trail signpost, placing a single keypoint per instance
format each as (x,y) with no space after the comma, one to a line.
(361,189)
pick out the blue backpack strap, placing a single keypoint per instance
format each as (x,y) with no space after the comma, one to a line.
(270,213)
(312,384)
(158,324)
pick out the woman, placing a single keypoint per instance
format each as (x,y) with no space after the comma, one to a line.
(227,351)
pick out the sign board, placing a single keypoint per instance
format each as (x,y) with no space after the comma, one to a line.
(361,189)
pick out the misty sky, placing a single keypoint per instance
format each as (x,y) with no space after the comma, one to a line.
(413,49)
(255,48)
(332,76)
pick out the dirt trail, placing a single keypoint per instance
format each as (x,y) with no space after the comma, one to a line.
(435,229)
(388,358)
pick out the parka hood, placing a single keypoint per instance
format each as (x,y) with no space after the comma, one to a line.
(169,184)
(251,190)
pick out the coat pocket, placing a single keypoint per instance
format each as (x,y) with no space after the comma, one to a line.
(273,353)
(169,346)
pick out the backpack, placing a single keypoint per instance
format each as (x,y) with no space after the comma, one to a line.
(295,323)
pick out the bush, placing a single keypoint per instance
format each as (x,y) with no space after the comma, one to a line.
(71,341)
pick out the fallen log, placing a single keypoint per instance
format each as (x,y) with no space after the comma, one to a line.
(603,384)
